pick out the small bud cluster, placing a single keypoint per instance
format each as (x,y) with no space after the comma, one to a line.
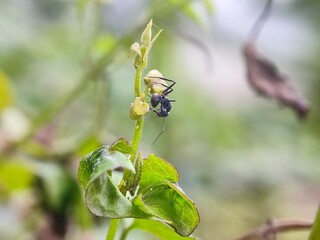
(153,79)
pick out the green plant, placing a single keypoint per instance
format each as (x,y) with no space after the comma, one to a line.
(148,189)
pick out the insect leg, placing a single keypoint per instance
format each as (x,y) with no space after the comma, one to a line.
(167,79)
(169,88)
(163,128)
(155,110)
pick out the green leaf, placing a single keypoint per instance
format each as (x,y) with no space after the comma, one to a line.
(98,163)
(121,145)
(170,205)
(156,170)
(102,196)
(315,231)
(104,199)
(161,198)
(158,229)
(158,196)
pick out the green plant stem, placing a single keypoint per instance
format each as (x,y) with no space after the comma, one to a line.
(137,83)
(137,137)
(114,223)
(137,130)
(139,122)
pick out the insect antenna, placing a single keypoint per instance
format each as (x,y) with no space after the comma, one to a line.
(163,128)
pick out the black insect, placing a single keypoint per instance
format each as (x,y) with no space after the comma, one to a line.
(161,104)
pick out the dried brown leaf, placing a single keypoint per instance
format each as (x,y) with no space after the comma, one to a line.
(265,79)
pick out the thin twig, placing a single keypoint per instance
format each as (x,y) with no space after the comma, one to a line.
(271,236)
(278,226)
(255,30)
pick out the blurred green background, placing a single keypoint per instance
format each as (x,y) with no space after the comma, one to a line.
(66,85)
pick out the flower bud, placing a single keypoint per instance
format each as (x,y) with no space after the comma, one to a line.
(146,35)
(135,48)
(154,82)
(138,108)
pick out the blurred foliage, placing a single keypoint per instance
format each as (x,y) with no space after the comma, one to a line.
(10,182)
(65,88)
(5,91)
(315,231)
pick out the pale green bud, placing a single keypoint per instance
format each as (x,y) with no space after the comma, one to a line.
(138,108)
(154,82)
(135,48)
(146,35)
